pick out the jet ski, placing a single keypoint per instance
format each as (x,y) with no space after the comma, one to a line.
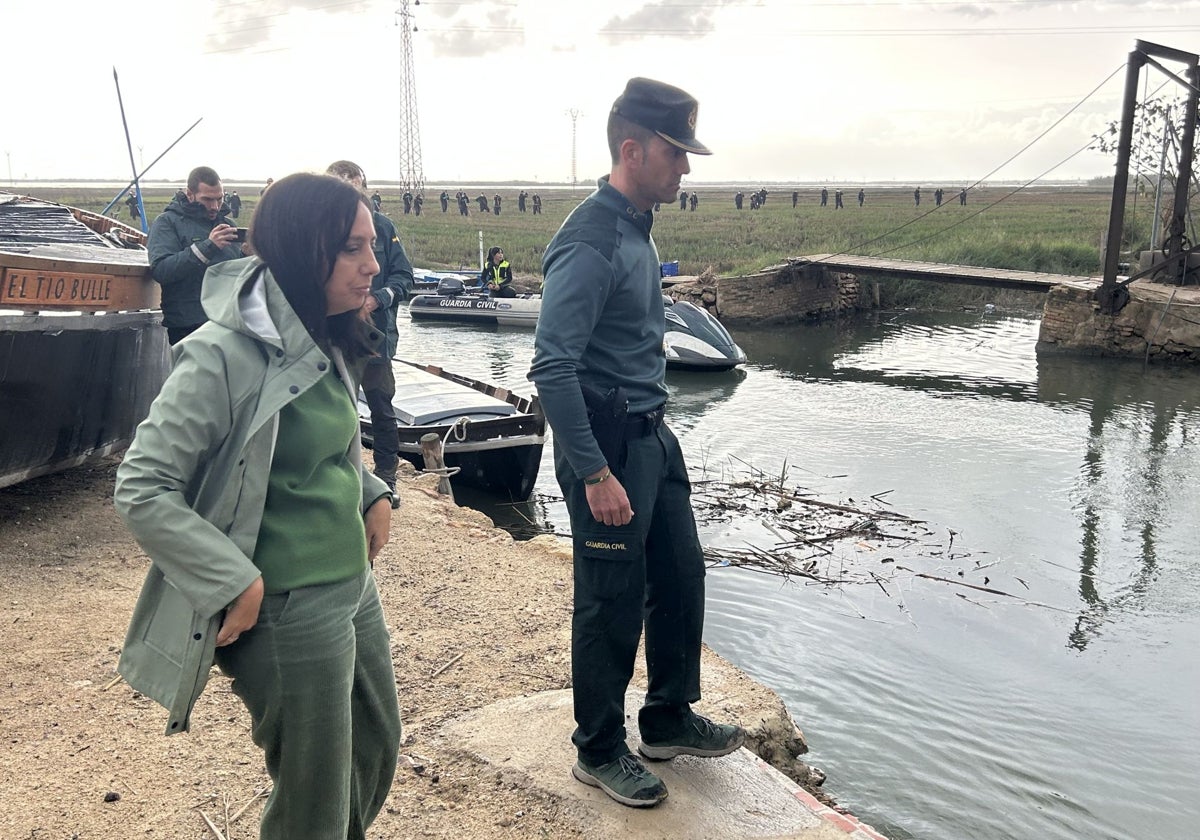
(695,340)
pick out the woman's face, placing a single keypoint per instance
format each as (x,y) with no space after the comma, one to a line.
(350,283)
(498,257)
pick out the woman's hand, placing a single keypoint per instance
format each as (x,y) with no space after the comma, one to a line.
(378,523)
(242,614)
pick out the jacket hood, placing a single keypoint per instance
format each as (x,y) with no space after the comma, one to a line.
(195,210)
(241,295)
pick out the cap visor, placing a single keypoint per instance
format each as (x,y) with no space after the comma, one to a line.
(695,147)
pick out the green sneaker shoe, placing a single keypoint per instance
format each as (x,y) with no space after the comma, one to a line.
(700,736)
(626,780)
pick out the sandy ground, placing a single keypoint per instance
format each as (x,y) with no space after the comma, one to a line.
(475,618)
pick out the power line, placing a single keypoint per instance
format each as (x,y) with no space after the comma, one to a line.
(996,169)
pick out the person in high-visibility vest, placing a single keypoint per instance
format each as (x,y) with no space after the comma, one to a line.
(496,276)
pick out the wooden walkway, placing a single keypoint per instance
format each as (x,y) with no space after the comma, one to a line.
(1033,281)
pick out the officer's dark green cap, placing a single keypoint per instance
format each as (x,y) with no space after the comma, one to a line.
(667,111)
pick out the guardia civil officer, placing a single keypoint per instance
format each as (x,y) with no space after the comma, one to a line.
(598,352)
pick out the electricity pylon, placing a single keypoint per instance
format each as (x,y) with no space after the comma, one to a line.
(574,114)
(412,174)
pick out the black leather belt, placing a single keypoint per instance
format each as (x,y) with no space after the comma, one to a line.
(640,425)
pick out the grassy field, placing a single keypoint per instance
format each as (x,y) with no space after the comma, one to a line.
(1045,229)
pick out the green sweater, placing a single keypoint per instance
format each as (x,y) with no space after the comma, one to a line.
(312,529)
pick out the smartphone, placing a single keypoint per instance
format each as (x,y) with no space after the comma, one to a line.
(241,234)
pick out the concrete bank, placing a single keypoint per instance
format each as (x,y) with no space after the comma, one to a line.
(480,630)
(1160,323)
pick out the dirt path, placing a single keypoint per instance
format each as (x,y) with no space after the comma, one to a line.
(475,618)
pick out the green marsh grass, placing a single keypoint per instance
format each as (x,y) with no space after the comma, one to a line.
(1049,229)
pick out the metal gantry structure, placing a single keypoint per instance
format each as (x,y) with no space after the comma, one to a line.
(574,114)
(412,173)
(1174,259)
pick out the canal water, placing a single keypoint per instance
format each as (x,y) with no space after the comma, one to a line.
(1060,698)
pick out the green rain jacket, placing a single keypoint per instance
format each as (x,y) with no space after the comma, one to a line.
(193,484)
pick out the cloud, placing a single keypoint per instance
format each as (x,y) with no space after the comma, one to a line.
(240,27)
(664,18)
(474,29)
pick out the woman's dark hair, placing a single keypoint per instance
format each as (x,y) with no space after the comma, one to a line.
(299,227)
(495,249)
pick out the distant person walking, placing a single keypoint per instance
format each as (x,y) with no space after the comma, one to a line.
(737,200)
(235,204)
(693,200)
(937,197)
(683,198)
(521,196)
(824,197)
(917,197)
(408,199)
(376,202)
(862,196)
(795,198)
(496,203)
(962,197)
(537,204)
(444,200)
(837,200)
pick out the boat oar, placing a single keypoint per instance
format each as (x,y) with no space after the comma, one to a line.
(147,169)
(129,145)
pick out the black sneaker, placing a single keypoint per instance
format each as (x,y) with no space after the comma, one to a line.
(626,780)
(391,486)
(700,736)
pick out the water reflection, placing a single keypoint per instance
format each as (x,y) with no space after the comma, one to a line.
(947,354)
(1147,409)
(1077,476)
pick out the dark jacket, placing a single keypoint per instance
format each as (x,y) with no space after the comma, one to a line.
(501,274)
(393,283)
(180,252)
(601,322)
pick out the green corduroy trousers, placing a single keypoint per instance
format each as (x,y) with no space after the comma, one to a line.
(316,675)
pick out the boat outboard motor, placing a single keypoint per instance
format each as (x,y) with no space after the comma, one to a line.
(695,340)
(450,287)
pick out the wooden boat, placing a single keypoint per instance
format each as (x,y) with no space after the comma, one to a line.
(493,436)
(82,349)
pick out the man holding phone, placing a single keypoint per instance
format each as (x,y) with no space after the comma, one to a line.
(190,235)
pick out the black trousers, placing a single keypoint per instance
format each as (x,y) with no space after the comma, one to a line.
(649,572)
(379,387)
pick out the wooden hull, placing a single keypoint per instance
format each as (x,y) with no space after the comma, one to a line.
(82,351)
(74,387)
(497,449)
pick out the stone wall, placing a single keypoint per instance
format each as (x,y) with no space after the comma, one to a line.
(1164,318)
(777,295)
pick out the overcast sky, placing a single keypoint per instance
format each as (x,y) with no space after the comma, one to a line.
(788,90)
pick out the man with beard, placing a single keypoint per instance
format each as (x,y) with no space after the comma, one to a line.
(191,234)
(599,369)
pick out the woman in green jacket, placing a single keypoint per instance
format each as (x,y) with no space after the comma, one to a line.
(245,486)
